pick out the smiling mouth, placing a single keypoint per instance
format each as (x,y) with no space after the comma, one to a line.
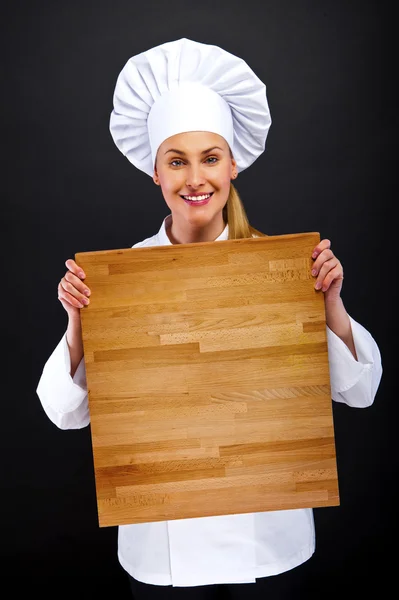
(198,198)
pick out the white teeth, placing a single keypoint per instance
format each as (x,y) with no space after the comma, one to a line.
(197,198)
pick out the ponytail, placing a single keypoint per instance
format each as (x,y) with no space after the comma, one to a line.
(235,216)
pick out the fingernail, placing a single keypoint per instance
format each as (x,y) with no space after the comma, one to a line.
(81,274)
(87,292)
(85,300)
(314,272)
(317,286)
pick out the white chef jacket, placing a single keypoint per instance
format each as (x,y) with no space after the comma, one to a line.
(220,549)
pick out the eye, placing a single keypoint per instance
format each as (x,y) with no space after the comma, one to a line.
(176,160)
(213,159)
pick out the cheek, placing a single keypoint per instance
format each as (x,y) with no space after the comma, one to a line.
(225,178)
(170,183)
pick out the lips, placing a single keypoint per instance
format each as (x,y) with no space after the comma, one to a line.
(197,199)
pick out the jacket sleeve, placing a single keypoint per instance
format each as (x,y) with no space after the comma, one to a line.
(63,398)
(354,382)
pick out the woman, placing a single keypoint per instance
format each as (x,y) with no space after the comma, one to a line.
(193,116)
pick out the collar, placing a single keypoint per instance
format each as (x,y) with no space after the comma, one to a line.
(165,241)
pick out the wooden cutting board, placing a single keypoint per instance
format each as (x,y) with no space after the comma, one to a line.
(208,380)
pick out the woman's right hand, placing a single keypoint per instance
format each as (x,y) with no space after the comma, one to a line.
(72,291)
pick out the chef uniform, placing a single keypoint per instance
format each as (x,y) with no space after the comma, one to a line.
(188,86)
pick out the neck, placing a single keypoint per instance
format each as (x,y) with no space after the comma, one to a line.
(190,234)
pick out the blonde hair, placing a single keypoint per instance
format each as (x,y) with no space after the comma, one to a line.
(235,216)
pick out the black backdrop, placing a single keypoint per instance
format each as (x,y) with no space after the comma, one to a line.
(328,167)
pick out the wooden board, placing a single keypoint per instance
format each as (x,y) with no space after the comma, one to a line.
(208,380)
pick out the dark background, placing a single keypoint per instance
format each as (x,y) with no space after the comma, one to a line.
(329,167)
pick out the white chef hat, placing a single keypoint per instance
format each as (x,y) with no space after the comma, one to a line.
(185,86)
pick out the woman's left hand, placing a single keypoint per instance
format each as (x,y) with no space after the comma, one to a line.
(328,271)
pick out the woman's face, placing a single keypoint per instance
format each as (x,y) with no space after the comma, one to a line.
(194,170)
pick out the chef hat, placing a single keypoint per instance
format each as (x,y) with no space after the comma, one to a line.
(184,86)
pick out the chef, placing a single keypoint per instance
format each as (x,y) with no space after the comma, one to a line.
(192,116)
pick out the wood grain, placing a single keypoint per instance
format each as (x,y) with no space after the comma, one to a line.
(208,380)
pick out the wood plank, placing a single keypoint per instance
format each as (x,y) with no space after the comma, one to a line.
(208,380)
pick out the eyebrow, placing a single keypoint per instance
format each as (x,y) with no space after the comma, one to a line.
(203,152)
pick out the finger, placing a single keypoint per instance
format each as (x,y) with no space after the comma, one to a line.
(322,245)
(72,266)
(67,306)
(332,276)
(65,296)
(77,283)
(73,286)
(323,257)
(330,270)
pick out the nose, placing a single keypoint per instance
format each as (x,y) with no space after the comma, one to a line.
(195,177)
